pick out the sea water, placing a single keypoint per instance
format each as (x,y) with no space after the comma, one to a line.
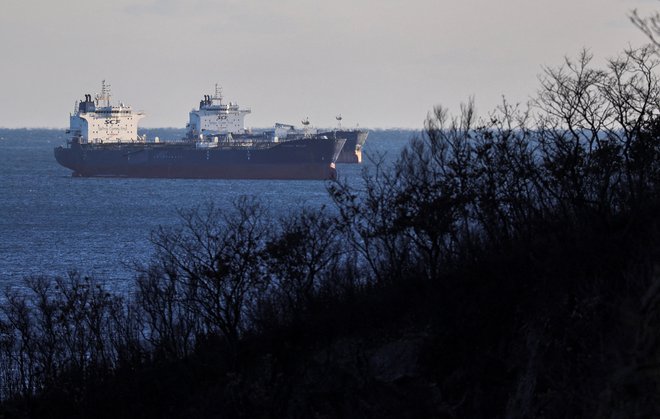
(52,223)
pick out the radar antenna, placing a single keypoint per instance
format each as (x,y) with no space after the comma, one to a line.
(105,93)
(218,92)
(338,118)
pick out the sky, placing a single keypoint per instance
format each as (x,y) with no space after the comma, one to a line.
(380,64)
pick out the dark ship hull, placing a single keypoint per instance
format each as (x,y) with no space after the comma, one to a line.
(355,139)
(307,158)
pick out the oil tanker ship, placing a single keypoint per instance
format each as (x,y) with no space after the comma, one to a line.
(104,142)
(355,138)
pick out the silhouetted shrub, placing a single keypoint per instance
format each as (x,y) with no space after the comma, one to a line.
(208,271)
(61,332)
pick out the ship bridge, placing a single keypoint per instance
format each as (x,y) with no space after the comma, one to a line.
(98,121)
(216,117)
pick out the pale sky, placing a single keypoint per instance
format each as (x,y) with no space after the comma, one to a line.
(381,64)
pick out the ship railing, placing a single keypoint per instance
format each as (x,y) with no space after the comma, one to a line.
(206,144)
(239,143)
(243,144)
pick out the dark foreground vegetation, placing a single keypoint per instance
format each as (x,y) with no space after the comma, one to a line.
(503,267)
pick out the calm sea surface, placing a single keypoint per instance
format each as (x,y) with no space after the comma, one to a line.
(51,223)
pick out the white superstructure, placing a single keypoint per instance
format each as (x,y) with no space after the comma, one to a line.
(215,117)
(98,121)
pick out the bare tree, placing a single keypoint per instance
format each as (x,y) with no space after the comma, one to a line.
(213,261)
(367,222)
(55,327)
(163,303)
(649,25)
(589,130)
(299,256)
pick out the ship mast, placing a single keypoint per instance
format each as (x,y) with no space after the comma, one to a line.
(338,118)
(218,93)
(105,93)
(305,123)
